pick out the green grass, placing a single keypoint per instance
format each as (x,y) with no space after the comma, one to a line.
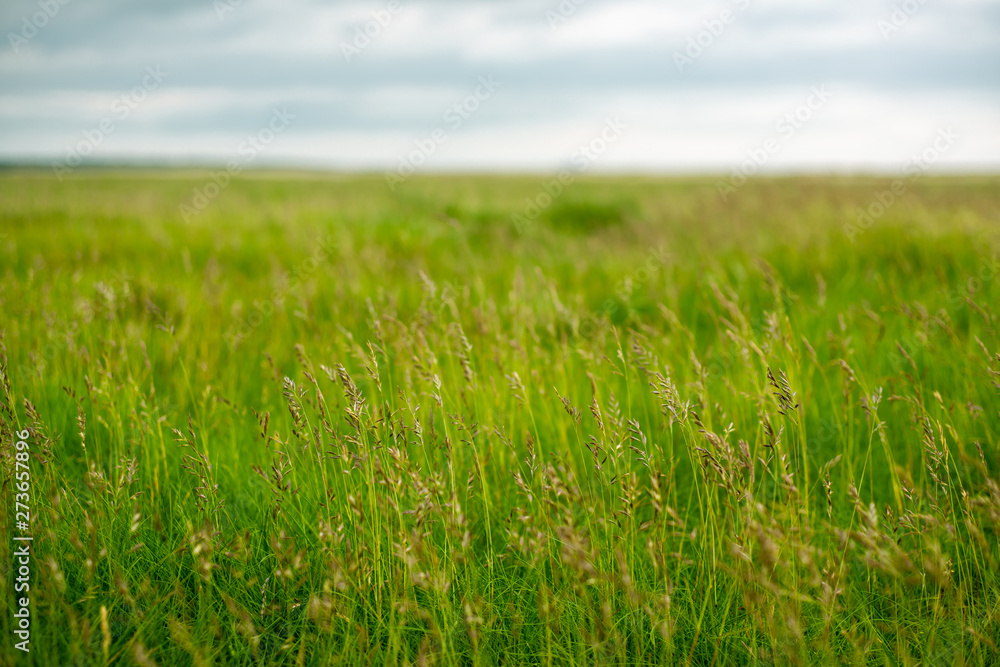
(324,423)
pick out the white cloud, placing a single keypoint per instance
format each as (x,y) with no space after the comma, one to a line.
(607,58)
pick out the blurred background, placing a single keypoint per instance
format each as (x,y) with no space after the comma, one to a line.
(821,85)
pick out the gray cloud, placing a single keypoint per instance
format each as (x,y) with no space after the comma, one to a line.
(226,74)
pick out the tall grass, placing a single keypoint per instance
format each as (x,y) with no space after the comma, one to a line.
(325,424)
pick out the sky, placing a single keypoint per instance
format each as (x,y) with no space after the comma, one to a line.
(400,85)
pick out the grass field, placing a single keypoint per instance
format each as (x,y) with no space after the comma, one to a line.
(323,422)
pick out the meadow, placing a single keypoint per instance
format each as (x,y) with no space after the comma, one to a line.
(325,422)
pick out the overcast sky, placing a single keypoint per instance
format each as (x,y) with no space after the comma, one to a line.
(696,86)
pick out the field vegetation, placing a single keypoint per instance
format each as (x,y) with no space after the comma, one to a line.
(326,423)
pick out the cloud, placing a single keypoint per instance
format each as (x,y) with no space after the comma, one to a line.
(605,58)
